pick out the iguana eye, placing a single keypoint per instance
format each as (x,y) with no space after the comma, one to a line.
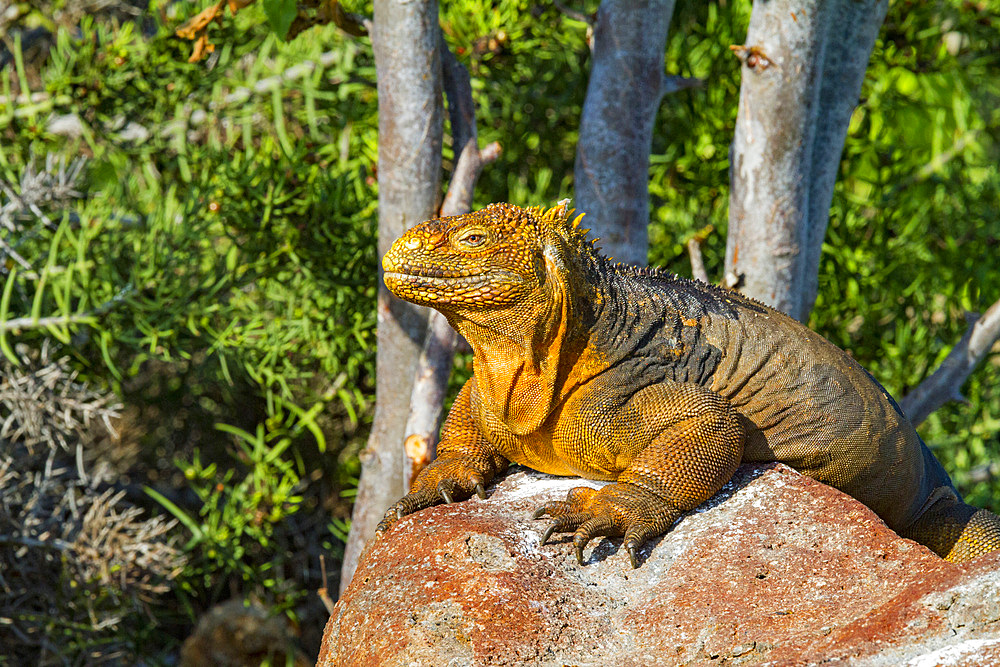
(470,239)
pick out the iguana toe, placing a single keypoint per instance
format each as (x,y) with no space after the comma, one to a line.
(444,480)
(563,523)
(408,504)
(597,526)
(538,513)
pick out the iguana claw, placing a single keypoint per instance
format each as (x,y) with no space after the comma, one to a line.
(562,523)
(632,556)
(445,494)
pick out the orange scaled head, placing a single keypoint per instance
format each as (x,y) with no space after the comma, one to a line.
(484,260)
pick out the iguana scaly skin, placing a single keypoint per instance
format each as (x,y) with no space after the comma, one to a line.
(660,384)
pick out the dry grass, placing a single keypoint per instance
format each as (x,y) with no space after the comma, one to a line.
(78,563)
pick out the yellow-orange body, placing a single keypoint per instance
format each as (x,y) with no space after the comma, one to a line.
(659,384)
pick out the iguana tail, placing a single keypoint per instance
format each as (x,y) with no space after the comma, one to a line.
(956,531)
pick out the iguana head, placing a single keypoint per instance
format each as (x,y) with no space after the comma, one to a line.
(486,260)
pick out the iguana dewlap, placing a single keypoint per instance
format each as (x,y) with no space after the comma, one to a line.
(660,384)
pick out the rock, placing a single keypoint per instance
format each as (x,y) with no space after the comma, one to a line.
(66,125)
(134,133)
(233,634)
(776,569)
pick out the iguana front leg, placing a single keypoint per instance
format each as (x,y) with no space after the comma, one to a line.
(695,443)
(466,463)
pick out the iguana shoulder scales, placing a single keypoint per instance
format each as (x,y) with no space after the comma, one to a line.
(656,383)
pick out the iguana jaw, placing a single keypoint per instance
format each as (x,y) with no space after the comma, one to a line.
(478,291)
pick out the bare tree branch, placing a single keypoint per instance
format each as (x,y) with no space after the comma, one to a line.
(943,385)
(458,91)
(463,181)
(430,383)
(430,386)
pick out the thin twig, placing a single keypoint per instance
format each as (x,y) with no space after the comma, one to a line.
(944,157)
(673,83)
(944,384)
(697,264)
(694,250)
(13,254)
(21,323)
(323,594)
(574,14)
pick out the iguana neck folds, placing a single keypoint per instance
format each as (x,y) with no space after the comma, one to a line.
(524,355)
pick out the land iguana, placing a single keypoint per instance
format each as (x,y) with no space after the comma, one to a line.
(657,383)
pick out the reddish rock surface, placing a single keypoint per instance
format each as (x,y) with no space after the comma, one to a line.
(776,569)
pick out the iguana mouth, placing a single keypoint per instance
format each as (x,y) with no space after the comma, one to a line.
(452,280)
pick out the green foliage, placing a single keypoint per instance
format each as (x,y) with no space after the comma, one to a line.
(280,14)
(238,531)
(215,270)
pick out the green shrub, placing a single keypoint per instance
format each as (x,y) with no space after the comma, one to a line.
(215,272)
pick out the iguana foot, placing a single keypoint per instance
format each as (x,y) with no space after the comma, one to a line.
(613,511)
(445,480)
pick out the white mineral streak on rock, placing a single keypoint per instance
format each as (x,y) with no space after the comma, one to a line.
(950,655)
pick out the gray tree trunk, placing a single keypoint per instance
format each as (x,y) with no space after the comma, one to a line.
(626,85)
(408,67)
(803,65)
